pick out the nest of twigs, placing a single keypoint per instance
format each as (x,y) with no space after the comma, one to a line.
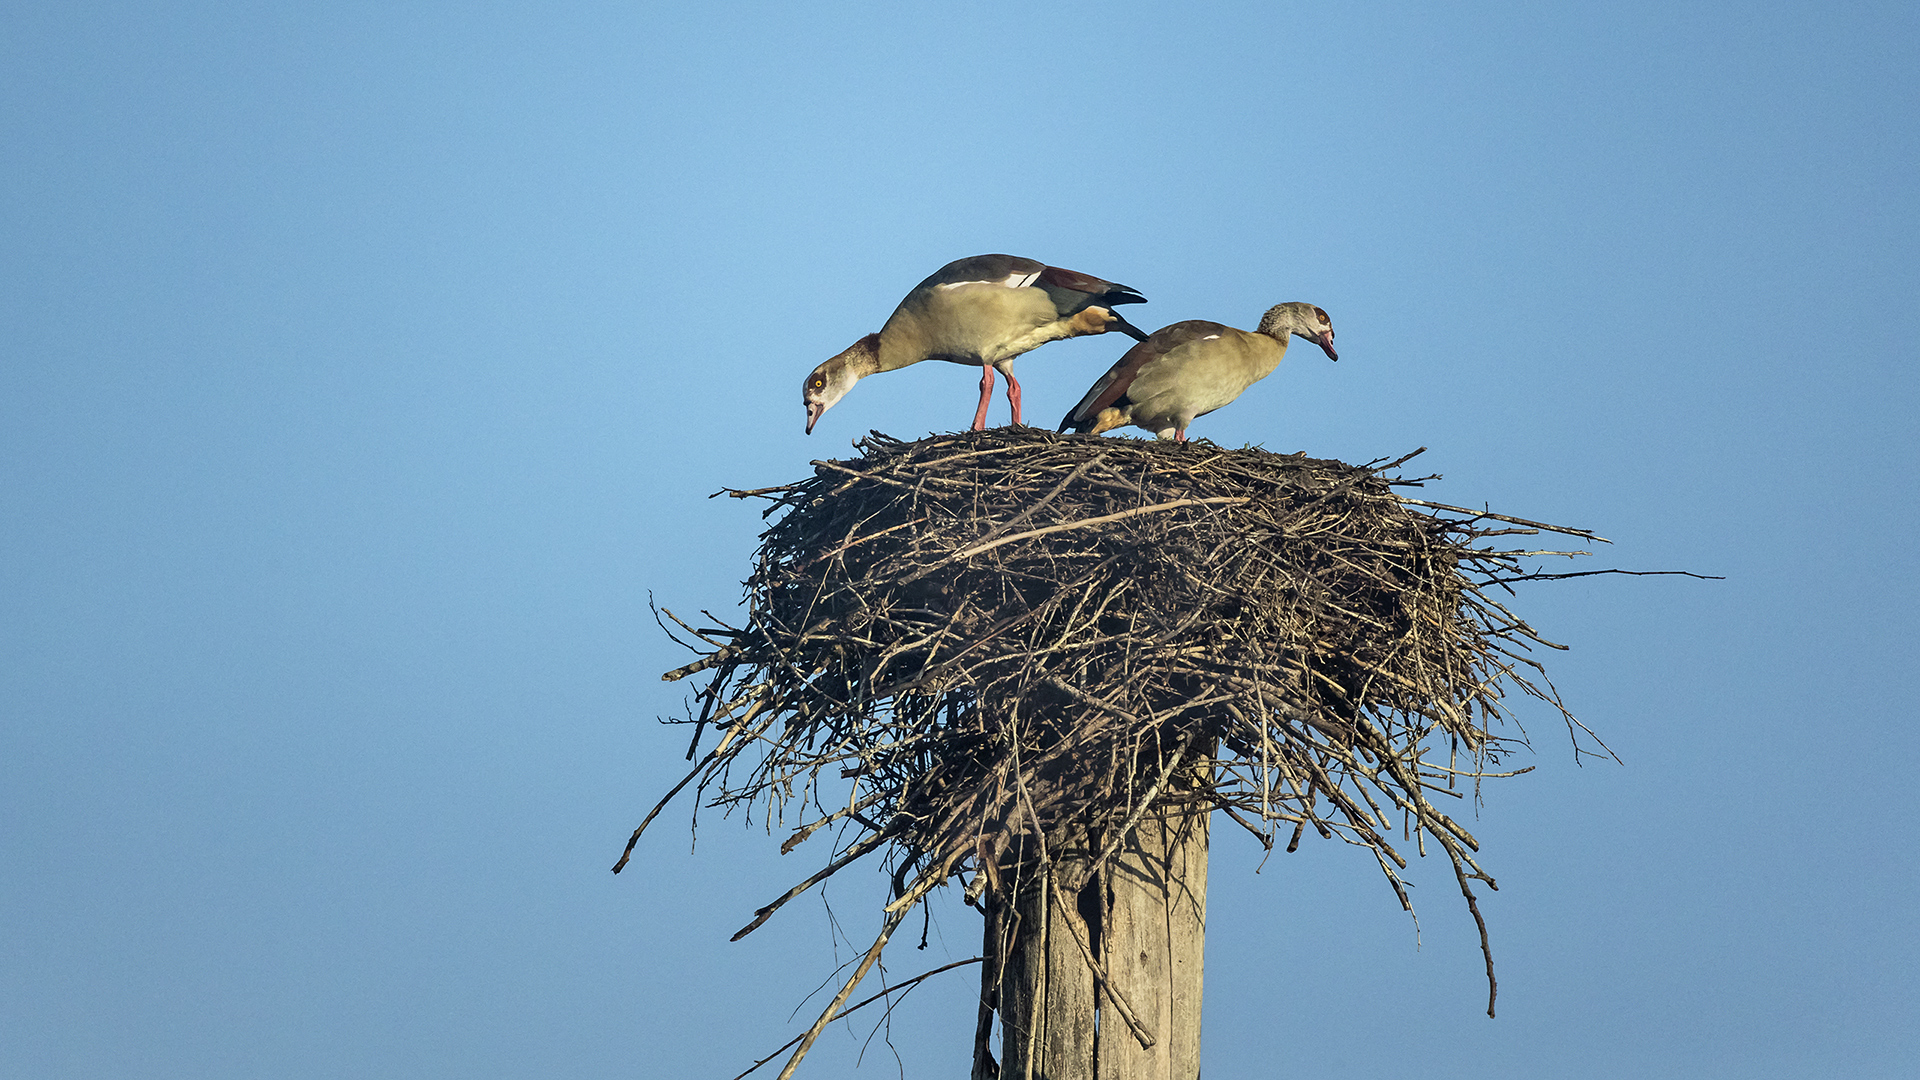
(954,644)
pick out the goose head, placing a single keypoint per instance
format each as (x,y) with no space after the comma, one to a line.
(1305,320)
(836,375)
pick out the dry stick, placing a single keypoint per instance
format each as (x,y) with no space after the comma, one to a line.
(1424,810)
(1028,513)
(1219,500)
(806,1041)
(696,633)
(662,805)
(924,886)
(860,847)
(851,1009)
(718,656)
(716,752)
(1477,514)
(1140,809)
(837,467)
(1266,751)
(1087,699)
(1265,836)
(1396,462)
(1486,950)
(957,457)
(1591,573)
(852,543)
(738,494)
(805,832)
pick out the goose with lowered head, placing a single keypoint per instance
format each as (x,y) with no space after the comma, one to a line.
(984,311)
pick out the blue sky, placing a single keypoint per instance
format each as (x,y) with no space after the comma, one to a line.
(364,368)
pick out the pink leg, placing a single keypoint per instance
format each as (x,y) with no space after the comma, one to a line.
(1180,436)
(1013,395)
(986,397)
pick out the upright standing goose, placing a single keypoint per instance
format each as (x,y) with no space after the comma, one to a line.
(985,310)
(1190,369)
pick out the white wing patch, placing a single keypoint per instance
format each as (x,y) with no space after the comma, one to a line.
(1014,280)
(1211,337)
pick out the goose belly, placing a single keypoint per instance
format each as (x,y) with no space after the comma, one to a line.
(973,323)
(1199,378)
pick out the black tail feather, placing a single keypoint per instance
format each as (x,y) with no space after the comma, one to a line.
(1120,294)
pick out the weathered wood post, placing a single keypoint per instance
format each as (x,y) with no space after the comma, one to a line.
(1097,969)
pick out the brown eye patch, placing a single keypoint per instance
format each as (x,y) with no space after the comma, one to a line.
(1323,316)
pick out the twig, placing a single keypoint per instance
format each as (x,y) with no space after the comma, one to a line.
(1592,573)
(739,494)
(903,985)
(1103,519)
(858,848)
(1479,514)
(866,963)
(1145,801)
(713,755)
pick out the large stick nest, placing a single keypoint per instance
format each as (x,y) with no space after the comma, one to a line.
(955,647)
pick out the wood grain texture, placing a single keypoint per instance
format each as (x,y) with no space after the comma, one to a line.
(1155,948)
(1145,926)
(1048,1014)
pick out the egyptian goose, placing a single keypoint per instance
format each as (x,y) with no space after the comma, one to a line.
(1190,369)
(985,310)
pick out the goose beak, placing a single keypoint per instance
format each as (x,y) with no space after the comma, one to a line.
(1325,340)
(814,409)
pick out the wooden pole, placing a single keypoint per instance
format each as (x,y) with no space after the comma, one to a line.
(1098,977)
(1155,947)
(1048,1009)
